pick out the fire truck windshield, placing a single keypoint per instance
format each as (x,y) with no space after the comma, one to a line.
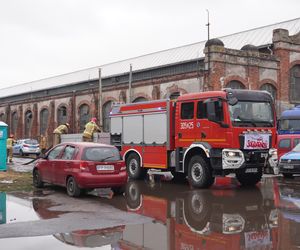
(251,114)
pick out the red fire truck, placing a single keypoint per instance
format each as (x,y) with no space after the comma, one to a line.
(200,135)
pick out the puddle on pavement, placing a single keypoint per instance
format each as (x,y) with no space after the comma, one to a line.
(160,216)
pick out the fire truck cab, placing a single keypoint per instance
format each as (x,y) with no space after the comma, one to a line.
(200,135)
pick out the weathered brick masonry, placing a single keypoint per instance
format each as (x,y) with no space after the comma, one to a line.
(273,68)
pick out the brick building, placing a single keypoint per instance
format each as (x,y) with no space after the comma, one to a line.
(266,58)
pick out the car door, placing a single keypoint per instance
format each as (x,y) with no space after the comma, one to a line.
(48,165)
(64,165)
(16,147)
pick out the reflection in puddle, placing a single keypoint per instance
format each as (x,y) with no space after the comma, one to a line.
(266,217)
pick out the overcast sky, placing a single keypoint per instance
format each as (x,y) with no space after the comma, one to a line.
(44,38)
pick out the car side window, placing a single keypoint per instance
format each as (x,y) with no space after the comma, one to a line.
(285,143)
(296,141)
(68,153)
(54,153)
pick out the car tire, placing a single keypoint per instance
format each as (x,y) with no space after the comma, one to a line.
(73,189)
(133,167)
(248,179)
(199,174)
(37,179)
(118,190)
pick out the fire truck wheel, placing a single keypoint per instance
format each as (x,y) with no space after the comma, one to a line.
(197,210)
(248,179)
(133,167)
(133,195)
(199,174)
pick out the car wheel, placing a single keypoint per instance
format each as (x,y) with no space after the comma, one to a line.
(199,174)
(37,179)
(133,167)
(118,190)
(73,189)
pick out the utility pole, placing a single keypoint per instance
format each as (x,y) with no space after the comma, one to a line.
(208,51)
(100,101)
(130,83)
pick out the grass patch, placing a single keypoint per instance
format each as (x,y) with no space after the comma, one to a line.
(20,181)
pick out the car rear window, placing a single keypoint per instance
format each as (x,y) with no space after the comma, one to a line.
(101,154)
(31,141)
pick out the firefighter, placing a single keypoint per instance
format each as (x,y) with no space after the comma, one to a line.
(61,129)
(9,146)
(90,128)
(43,143)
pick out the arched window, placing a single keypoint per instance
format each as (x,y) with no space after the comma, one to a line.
(62,115)
(235,85)
(295,84)
(84,116)
(270,88)
(2,117)
(44,114)
(105,115)
(14,123)
(174,95)
(28,123)
(140,99)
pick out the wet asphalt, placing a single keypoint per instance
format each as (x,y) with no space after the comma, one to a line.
(159,215)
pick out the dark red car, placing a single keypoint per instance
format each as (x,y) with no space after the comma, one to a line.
(81,165)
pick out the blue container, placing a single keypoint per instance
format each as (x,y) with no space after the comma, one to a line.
(3,152)
(2,208)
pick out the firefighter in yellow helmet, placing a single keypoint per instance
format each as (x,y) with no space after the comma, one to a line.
(61,129)
(9,146)
(43,141)
(90,128)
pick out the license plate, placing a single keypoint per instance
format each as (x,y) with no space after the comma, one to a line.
(105,167)
(251,170)
(288,166)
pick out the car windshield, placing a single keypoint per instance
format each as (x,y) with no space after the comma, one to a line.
(101,154)
(297,148)
(251,114)
(31,141)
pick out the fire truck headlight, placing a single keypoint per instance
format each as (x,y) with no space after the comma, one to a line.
(233,223)
(232,158)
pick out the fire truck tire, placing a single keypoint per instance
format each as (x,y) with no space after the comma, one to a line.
(199,174)
(133,167)
(133,195)
(197,210)
(248,179)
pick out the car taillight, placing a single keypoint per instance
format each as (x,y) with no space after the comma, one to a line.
(84,167)
(123,168)
(25,145)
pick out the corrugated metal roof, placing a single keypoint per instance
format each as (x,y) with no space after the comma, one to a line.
(258,37)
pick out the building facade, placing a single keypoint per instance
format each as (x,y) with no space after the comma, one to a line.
(274,67)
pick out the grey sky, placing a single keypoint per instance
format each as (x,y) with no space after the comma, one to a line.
(44,38)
